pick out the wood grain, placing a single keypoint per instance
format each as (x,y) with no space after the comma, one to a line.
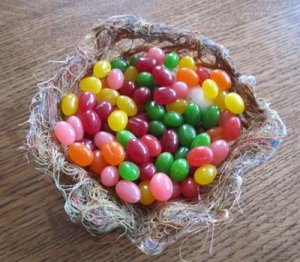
(264,40)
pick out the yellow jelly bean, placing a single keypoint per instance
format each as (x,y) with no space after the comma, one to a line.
(234,103)
(220,100)
(69,104)
(109,95)
(210,89)
(187,62)
(127,105)
(91,84)
(117,120)
(130,73)
(178,106)
(101,68)
(205,175)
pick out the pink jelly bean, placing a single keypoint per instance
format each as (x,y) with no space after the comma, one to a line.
(220,150)
(157,54)
(76,123)
(176,190)
(128,191)
(115,78)
(181,89)
(161,187)
(102,137)
(64,132)
(109,176)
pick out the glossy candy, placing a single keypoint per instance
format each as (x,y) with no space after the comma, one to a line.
(91,122)
(234,103)
(127,89)
(76,123)
(108,95)
(102,137)
(161,187)
(87,101)
(146,194)
(164,162)
(154,110)
(65,133)
(69,104)
(232,128)
(202,139)
(172,119)
(124,136)
(221,78)
(101,68)
(117,120)
(133,59)
(103,110)
(129,171)
(178,106)
(152,144)
(179,170)
(187,62)
(210,89)
(138,126)
(225,115)
(90,84)
(98,163)
(130,73)
(181,152)
(171,60)
(211,117)
(145,64)
(119,64)
(181,89)
(115,79)
(157,128)
(144,79)
(137,151)
(176,190)
(189,188)
(216,133)
(157,54)
(128,191)
(113,153)
(109,176)
(147,171)
(205,175)
(200,156)
(220,150)
(186,134)
(142,95)
(164,95)
(89,144)
(127,105)
(169,141)
(80,154)
(192,114)
(219,101)
(162,76)
(187,76)
(203,74)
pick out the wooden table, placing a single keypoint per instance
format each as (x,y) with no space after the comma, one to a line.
(264,39)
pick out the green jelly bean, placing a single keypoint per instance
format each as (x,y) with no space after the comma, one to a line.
(179,170)
(145,79)
(171,60)
(186,134)
(119,63)
(181,152)
(157,128)
(211,117)
(192,114)
(129,171)
(154,110)
(164,162)
(202,139)
(173,119)
(133,59)
(124,136)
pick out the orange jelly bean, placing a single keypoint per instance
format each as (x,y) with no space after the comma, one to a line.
(80,154)
(216,133)
(113,153)
(221,78)
(99,162)
(187,76)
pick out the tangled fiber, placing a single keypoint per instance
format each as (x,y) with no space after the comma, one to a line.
(98,209)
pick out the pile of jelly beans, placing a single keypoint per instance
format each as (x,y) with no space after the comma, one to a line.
(153,128)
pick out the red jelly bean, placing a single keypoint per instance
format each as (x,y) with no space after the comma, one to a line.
(103,109)
(145,64)
(176,190)
(232,128)
(144,116)
(147,171)
(164,95)
(87,101)
(216,133)
(203,74)
(189,188)
(137,126)
(127,89)
(169,141)
(137,151)
(142,95)
(162,76)
(152,144)
(91,122)
(200,156)
(225,115)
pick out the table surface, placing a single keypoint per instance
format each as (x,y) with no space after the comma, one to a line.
(264,40)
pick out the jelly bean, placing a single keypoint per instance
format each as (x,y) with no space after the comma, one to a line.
(221,78)
(113,153)
(69,104)
(102,138)
(108,95)
(178,106)
(176,190)
(91,122)
(144,116)
(189,188)
(216,133)
(172,119)
(127,89)
(147,171)
(181,89)
(137,151)
(161,187)
(130,73)
(145,64)
(210,89)
(127,105)
(152,144)
(162,76)
(225,115)
(129,171)
(64,133)
(101,69)
(220,150)
(186,134)
(103,110)
(138,126)
(196,95)
(76,123)
(154,110)
(200,156)
(117,120)
(157,54)
(87,101)
(144,79)
(181,152)
(179,170)
(232,128)
(203,74)
(80,154)
(202,139)
(146,194)
(171,60)
(119,64)
(142,95)
(169,141)
(89,144)
(164,162)
(192,114)
(124,136)
(133,59)
(115,79)
(157,128)
(128,191)
(211,117)
(205,175)
(90,84)
(187,76)
(219,101)
(164,95)
(234,103)
(98,163)
(109,176)
(187,62)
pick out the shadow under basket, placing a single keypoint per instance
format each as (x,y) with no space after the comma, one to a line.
(98,209)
